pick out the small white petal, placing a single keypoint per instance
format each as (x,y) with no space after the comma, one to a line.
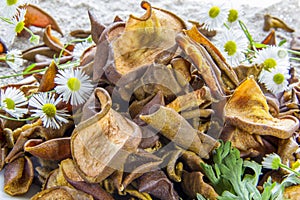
(80,48)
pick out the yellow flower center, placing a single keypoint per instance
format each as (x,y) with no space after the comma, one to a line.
(11,2)
(233,15)
(230,47)
(296,165)
(269,64)
(10,104)
(214,12)
(74,84)
(19,27)
(49,109)
(278,78)
(276,162)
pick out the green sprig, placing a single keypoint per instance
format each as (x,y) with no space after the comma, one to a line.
(18,119)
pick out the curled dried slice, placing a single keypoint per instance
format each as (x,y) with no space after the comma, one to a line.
(124,48)
(54,149)
(35,16)
(178,130)
(145,37)
(157,184)
(62,192)
(18,176)
(248,110)
(73,178)
(193,183)
(101,144)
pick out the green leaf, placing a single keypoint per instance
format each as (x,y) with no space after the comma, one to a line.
(282,42)
(253,191)
(226,195)
(209,172)
(257,171)
(290,180)
(268,187)
(30,67)
(259,45)
(200,197)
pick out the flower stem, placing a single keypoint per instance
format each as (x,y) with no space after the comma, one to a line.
(7,20)
(293,52)
(248,35)
(20,120)
(21,74)
(294,58)
(289,169)
(72,41)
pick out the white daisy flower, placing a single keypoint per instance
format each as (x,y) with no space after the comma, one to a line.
(9,8)
(232,44)
(12,100)
(80,48)
(272,57)
(16,26)
(46,110)
(14,59)
(272,161)
(213,15)
(74,86)
(275,80)
(234,15)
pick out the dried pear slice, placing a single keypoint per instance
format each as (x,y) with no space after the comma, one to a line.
(53,149)
(62,192)
(18,176)
(248,110)
(101,144)
(174,127)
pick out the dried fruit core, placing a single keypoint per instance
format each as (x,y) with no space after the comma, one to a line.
(74,84)
(269,64)
(49,109)
(233,15)
(214,12)
(278,78)
(230,47)
(10,104)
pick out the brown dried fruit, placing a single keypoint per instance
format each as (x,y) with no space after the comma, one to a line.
(18,176)
(157,184)
(193,183)
(178,130)
(292,192)
(47,83)
(71,175)
(53,149)
(274,22)
(248,110)
(139,42)
(101,144)
(35,16)
(53,42)
(62,192)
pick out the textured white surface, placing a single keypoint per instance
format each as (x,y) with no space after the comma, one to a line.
(72,15)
